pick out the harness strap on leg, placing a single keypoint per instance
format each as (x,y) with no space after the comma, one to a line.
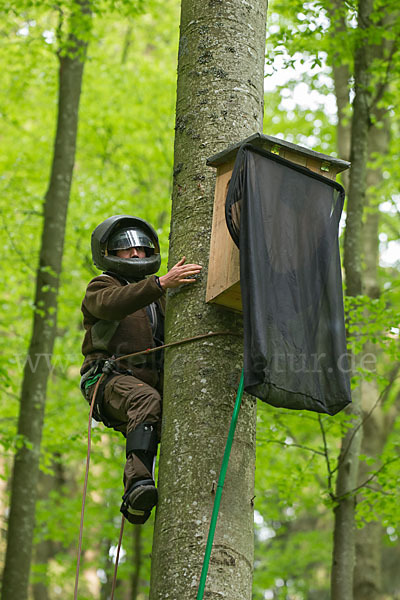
(143,437)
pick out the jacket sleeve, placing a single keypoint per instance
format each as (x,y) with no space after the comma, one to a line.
(106,298)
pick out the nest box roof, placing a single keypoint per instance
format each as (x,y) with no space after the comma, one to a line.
(273,144)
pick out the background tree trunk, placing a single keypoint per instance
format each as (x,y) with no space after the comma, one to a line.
(219,101)
(368,540)
(344,528)
(341,79)
(361,122)
(376,425)
(368,548)
(137,561)
(46,548)
(37,367)
(344,513)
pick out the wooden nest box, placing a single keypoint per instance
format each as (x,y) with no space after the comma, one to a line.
(223,283)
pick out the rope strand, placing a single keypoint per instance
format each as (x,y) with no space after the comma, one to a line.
(121,532)
(178,343)
(78,562)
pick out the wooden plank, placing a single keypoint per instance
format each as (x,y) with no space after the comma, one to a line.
(223,266)
(230,298)
(295,157)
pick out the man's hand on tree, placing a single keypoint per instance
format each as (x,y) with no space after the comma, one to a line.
(179,274)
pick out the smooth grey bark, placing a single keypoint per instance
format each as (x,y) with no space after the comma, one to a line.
(341,79)
(219,101)
(377,425)
(137,562)
(368,540)
(46,548)
(360,125)
(344,527)
(108,567)
(367,583)
(37,367)
(344,513)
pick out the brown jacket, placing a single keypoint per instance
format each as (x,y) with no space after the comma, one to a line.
(116,321)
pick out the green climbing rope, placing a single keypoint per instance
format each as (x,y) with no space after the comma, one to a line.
(218,493)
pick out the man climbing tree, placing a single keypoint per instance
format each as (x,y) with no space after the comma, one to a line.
(123,312)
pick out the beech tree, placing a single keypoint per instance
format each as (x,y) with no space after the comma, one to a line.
(219,102)
(347,478)
(356,568)
(363,45)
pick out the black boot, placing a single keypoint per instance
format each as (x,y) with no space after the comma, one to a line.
(141,496)
(138,501)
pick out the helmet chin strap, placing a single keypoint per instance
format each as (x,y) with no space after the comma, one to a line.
(134,268)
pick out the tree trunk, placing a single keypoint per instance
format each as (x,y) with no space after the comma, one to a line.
(344,513)
(344,528)
(38,364)
(45,548)
(341,79)
(219,101)
(376,428)
(368,563)
(367,571)
(137,562)
(358,156)
(107,565)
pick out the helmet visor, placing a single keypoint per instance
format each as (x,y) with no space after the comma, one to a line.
(129,238)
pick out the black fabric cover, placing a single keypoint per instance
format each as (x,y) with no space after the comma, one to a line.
(285,220)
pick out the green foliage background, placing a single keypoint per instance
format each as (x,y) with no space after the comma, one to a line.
(123,165)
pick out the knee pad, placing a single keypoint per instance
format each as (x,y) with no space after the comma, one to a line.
(142,441)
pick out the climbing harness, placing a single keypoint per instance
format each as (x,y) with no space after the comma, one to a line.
(97,379)
(108,368)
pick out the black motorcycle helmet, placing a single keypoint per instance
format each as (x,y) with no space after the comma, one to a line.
(124,231)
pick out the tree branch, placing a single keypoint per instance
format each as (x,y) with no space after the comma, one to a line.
(368,480)
(326,454)
(293,445)
(382,396)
